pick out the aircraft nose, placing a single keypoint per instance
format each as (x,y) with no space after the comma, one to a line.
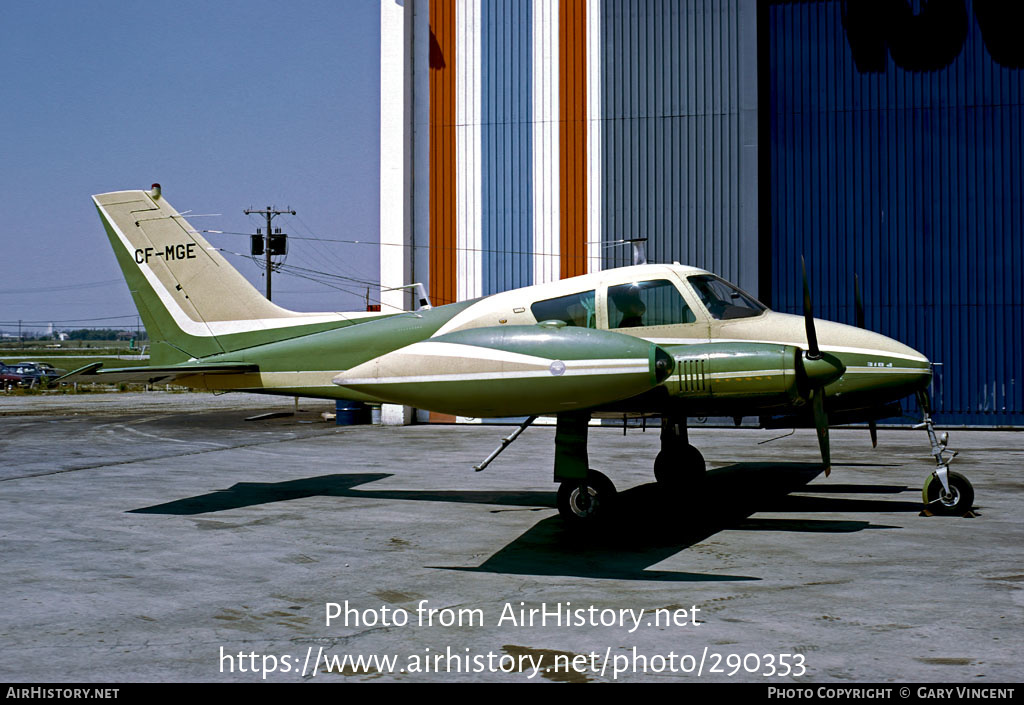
(925,374)
(901,365)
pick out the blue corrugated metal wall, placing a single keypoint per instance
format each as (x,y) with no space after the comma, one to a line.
(906,166)
(506,144)
(675,78)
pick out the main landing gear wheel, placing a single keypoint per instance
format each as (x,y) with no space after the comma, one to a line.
(679,469)
(957,503)
(586,501)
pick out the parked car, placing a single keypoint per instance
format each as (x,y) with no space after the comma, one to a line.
(18,376)
(7,378)
(46,368)
(28,374)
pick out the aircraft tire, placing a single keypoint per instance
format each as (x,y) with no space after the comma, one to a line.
(687,468)
(960,501)
(578,510)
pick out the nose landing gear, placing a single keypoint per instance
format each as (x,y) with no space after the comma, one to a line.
(945,492)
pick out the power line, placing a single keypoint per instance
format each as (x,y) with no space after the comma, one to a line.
(341,264)
(67,320)
(423,247)
(288,269)
(347,291)
(65,287)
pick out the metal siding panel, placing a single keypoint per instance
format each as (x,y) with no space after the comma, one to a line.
(911,179)
(671,155)
(594,68)
(546,148)
(468,169)
(487,140)
(572,25)
(442,154)
(506,144)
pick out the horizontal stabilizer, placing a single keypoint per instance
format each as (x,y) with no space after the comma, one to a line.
(93,372)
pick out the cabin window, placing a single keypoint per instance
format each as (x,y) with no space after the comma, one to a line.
(650,303)
(574,309)
(724,301)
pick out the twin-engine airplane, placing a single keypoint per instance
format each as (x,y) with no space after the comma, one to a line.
(651,339)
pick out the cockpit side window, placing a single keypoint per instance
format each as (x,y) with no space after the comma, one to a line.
(724,301)
(574,309)
(649,303)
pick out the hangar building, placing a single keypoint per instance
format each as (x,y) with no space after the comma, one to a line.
(883,138)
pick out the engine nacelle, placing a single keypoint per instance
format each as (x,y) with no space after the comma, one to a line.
(769,373)
(513,371)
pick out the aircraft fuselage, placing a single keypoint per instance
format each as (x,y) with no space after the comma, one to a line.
(746,365)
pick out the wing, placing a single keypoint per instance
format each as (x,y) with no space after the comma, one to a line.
(94,372)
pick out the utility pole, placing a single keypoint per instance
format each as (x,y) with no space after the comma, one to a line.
(269,212)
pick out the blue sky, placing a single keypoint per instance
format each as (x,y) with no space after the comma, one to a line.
(226,104)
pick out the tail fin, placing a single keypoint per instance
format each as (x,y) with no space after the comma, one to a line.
(193,302)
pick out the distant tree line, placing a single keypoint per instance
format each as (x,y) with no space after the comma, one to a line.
(105,334)
(88,334)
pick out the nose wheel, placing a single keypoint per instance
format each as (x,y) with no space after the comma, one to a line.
(957,501)
(945,492)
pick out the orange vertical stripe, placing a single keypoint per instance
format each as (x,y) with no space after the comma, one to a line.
(442,152)
(572,107)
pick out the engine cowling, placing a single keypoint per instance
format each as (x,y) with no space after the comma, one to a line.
(758,373)
(513,371)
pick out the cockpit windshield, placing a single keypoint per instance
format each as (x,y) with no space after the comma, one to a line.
(724,301)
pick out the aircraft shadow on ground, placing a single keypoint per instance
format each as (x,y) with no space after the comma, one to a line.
(248,494)
(649,523)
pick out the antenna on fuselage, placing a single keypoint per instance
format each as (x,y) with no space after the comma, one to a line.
(639,248)
(422,298)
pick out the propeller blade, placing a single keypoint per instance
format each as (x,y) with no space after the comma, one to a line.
(821,426)
(858,303)
(812,337)
(858,307)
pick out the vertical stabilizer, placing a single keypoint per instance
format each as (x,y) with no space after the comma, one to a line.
(191,300)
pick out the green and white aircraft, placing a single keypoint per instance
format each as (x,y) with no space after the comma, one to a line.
(650,339)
